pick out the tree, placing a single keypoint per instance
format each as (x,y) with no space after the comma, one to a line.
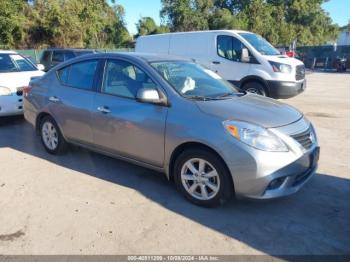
(147,26)
(76,23)
(12,22)
(186,15)
(280,21)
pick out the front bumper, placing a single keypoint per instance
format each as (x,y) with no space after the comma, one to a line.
(289,179)
(11,105)
(283,89)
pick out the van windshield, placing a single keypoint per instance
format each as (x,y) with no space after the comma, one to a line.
(260,44)
(193,81)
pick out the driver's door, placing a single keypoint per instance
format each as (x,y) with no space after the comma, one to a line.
(227,58)
(122,125)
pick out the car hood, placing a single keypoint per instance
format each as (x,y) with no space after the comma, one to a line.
(259,110)
(284,59)
(17,79)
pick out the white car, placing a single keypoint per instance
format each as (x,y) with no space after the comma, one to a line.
(15,73)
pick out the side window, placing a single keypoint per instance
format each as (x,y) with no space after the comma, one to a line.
(63,75)
(80,75)
(45,57)
(124,79)
(57,57)
(68,55)
(229,47)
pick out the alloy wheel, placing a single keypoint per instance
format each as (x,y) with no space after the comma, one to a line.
(200,179)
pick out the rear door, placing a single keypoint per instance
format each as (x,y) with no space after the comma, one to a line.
(121,124)
(72,99)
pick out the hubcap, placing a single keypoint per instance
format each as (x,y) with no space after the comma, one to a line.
(200,179)
(49,134)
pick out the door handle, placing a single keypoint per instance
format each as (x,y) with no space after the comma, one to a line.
(104,109)
(54,99)
(216,62)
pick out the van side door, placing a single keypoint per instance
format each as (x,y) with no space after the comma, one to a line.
(227,58)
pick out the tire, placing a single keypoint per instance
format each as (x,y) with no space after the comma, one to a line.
(54,143)
(255,88)
(222,182)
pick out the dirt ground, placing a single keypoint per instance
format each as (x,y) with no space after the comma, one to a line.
(87,203)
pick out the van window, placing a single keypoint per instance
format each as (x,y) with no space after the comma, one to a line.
(57,57)
(229,47)
(124,79)
(80,75)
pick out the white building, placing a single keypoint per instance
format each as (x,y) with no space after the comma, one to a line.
(344,38)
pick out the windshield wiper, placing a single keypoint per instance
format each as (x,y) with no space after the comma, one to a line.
(203,98)
(242,93)
(226,95)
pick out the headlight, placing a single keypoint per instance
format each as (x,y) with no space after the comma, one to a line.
(5,91)
(281,68)
(255,136)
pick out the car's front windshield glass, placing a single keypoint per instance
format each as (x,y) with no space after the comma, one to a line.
(193,81)
(260,44)
(15,63)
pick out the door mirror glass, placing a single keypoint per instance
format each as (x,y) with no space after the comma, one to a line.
(245,58)
(150,95)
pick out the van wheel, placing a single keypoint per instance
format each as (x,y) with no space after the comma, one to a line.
(254,88)
(202,178)
(51,136)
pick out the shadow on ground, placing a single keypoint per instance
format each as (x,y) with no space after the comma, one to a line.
(316,220)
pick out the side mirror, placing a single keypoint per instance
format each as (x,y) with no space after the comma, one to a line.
(245,58)
(151,95)
(40,67)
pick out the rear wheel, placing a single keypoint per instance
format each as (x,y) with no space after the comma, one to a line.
(51,136)
(254,88)
(202,178)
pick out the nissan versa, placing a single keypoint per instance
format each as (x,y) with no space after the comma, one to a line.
(174,116)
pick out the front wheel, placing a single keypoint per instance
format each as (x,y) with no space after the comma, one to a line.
(254,88)
(202,177)
(51,136)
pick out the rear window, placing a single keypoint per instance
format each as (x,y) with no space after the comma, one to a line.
(80,75)
(15,63)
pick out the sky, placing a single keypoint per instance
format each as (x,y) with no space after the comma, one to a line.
(339,11)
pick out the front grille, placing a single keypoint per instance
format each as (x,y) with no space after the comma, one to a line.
(300,72)
(304,138)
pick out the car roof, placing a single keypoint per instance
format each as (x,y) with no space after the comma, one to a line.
(148,57)
(7,52)
(199,32)
(71,49)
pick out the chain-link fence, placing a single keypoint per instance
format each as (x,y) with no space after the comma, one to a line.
(35,54)
(323,57)
(314,57)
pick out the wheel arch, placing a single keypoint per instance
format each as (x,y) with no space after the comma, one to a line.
(260,80)
(40,117)
(191,145)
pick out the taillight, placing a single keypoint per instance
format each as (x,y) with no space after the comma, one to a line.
(26,90)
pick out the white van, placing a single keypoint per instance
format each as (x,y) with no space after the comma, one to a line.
(243,58)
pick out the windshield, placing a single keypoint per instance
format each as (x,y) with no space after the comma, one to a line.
(15,63)
(260,44)
(193,81)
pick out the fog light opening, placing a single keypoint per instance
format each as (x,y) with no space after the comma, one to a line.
(276,183)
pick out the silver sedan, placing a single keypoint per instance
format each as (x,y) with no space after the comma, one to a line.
(174,116)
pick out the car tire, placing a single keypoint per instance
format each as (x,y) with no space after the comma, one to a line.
(51,136)
(254,88)
(218,188)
